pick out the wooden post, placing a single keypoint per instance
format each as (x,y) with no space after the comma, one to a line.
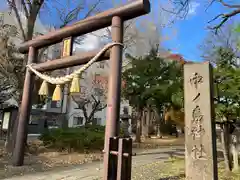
(124,162)
(200,135)
(114,92)
(24,112)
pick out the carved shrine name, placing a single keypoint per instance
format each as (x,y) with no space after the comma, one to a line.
(196,127)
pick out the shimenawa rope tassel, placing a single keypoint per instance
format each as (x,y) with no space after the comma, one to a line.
(74,77)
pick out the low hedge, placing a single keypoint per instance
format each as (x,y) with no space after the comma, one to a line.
(168,128)
(79,139)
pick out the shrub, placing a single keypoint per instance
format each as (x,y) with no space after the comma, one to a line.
(74,139)
(167,128)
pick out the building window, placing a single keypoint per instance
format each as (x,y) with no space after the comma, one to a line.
(77,121)
(98,92)
(97,121)
(52,122)
(56,104)
(33,120)
(57,54)
(101,65)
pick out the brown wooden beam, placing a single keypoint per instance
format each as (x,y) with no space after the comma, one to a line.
(70,61)
(24,112)
(99,21)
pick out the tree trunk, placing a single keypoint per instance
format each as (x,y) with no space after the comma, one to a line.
(85,114)
(145,123)
(139,124)
(235,153)
(225,137)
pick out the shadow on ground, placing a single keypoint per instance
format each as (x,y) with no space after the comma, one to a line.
(174,177)
(173,152)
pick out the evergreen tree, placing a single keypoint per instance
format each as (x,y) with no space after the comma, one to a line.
(152,80)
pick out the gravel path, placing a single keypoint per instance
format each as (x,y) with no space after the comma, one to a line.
(148,165)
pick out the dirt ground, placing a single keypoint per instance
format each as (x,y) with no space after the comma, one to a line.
(39,159)
(151,162)
(154,142)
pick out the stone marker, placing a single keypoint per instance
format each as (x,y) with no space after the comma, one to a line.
(200,132)
(125,121)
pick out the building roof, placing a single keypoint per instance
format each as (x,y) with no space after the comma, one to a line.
(174,57)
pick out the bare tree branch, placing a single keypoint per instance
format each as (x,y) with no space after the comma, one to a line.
(225,18)
(94,6)
(209,5)
(101,108)
(29,5)
(25,8)
(229,5)
(12,5)
(181,8)
(225,38)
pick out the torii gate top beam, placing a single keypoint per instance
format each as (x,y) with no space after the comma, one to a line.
(99,21)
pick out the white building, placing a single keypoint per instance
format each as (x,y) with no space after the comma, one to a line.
(98,73)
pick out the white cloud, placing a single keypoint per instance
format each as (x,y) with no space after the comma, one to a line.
(90,42)
(193,8)
(93,40)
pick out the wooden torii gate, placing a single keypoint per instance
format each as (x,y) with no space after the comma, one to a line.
(117,152)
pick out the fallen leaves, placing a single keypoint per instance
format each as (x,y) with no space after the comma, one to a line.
(39,161)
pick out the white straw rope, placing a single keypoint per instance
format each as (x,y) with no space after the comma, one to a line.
(68,78)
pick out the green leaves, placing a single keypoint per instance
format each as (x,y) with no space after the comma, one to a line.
(227,85)
(152,80)
(237,29)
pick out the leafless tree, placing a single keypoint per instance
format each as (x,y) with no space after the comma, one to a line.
(181,8)
(26,12)
(226,38)
(91,98)
(11,65)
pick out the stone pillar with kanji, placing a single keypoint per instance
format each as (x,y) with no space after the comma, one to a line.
(200,135)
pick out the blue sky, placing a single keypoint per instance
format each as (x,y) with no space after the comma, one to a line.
(189,32)
(192,30)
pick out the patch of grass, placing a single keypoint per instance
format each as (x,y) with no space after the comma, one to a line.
(175,167)
(172,169)
(223,175)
